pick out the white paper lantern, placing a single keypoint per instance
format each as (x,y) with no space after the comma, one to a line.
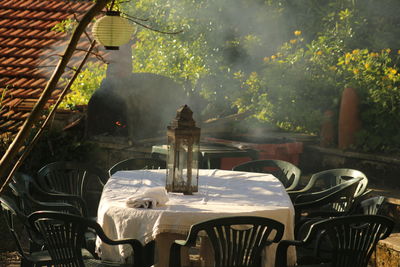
(112,30)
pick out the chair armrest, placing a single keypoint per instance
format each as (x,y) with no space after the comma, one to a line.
(143,255)
(295,193)
(134,242)
(175,250)
(56,206)
(180,242)
(292,188)
(309,197)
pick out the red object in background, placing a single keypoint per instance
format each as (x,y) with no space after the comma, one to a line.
(349,120)
(286,151)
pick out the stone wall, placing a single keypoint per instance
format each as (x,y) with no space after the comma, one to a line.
(387,253)
(381,170)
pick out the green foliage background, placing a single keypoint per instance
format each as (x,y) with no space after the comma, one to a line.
(286,62)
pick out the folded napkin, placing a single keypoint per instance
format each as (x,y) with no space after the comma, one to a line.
(149,198)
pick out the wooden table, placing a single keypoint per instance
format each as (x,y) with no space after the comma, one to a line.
(221,193)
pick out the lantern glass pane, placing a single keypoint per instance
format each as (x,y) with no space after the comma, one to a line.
(170,166)
(182,165)
(182,158)
(195,167)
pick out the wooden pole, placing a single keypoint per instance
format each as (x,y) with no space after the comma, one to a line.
(9,156)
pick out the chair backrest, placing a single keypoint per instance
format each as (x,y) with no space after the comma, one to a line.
(285,171)
(329,178)
(137,164)
(372,205)
(30,198)
(239,241)
(64,236)
(351,239)
(74,178)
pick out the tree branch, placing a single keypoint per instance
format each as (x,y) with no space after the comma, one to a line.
(52,112)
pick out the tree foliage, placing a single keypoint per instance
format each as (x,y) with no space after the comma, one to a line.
(84,86)
(284,61)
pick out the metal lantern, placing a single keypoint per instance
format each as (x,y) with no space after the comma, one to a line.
(112,30)
(183,153)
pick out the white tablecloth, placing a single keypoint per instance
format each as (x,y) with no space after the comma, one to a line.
(221,193)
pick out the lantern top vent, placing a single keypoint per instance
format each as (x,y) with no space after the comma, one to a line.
(184,118)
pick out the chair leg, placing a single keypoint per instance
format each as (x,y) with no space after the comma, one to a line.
(175,256)
(149,250)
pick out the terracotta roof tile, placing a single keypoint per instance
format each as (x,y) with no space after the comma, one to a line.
(29,52)
(9,113)
(18,116)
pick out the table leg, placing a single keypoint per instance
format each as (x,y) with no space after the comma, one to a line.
(206,252)
(163,245)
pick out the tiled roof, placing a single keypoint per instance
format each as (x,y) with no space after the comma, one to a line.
(29,52)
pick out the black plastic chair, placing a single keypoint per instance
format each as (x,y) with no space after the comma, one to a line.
(32,198)
(15,217)
(326,179)
(233,245)
(372,206)
(333,202)
(285,171)
(341,242)
(137,164)
(63,236)
(83,180)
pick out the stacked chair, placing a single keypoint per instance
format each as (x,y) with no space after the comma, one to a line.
(327,179)
(62,189)
(32,198)
(18,225)
(330,193)
(336,221)
(346,241)
(82,180)
(332,202)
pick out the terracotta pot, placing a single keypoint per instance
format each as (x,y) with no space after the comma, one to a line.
(349,120)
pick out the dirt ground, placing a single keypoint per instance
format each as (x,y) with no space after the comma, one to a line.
(9,259)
